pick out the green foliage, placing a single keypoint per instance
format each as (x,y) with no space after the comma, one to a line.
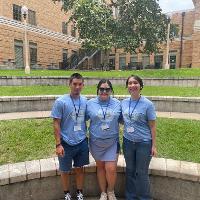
(140,25)
(95,24)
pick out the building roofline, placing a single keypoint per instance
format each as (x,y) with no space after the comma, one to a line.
(180,11)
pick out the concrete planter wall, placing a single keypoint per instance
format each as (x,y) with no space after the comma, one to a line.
(64,80)
(39,180)
(44,103)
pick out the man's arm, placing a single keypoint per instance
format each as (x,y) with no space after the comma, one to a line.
(57,131)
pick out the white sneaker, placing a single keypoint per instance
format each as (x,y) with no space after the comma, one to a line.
(68,196)
(79,196)
(111,195)
(103,196)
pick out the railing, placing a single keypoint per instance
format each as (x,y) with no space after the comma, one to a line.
(76,59)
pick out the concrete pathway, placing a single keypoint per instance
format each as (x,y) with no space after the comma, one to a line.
(46,114)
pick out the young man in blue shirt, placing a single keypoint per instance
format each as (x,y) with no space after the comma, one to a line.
(68,115)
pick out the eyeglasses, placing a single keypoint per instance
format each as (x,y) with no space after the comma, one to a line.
(105,90)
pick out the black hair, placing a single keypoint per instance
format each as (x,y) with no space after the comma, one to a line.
(75,76)
(105,81)
(137,78)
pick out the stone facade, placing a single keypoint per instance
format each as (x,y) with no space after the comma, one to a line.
(51,44)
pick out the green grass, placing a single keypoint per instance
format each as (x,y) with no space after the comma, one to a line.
(22,140)
(160,73)
(178,139)
(119,90)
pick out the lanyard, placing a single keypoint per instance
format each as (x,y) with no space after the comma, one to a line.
(104,113)
(130,114)
(79,106)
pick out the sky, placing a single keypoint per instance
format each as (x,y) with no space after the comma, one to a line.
(175,5)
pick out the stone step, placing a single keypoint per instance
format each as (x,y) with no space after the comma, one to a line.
(93,198)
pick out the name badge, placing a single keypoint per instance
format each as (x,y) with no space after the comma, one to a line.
(130,129)
(104,127)
(77,128)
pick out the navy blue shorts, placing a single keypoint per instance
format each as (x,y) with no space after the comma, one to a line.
(79,154)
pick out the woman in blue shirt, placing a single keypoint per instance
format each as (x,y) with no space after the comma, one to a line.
(139,142)
(104,112)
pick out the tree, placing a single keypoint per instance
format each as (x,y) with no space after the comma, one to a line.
(140,26)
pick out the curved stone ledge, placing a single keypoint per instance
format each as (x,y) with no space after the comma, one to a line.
(64,80)
(39,179)
(44,103)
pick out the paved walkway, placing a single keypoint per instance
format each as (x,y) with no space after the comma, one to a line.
(44,114)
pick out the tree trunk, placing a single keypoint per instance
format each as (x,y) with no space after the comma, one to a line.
(105,59)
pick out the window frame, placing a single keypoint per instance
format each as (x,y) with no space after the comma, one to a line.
(17,14)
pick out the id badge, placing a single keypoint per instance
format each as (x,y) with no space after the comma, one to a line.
(104,127)
(77,128)
(130,129)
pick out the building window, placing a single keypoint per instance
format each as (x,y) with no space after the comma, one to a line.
(33,53)
(133,59)
(64,28)
(158,60)
(19,55)
(172,61)
(17,12)
(112,61)
(122,62)
(65,56)
(73,31)
(145,61)
(31,17)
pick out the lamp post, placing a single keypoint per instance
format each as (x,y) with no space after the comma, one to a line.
(167,45)
(24,11)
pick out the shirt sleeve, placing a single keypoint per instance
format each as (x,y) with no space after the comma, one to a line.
(57,110)
(151,113)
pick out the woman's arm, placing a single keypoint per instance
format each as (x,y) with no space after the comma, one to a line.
(152,125)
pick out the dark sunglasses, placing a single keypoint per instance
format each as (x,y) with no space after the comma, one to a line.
(105,89)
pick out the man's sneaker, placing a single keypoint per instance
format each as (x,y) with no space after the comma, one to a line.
(111,195)
(79,196)
(103,196)
(68,196)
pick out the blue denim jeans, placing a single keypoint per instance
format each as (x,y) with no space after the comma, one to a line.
(137,156)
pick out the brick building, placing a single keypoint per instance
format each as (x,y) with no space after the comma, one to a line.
(52,41)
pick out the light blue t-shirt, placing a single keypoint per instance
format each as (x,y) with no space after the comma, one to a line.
(64,109)
(136,127)
(104,117)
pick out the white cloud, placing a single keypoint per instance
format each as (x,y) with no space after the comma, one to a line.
(172,5)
